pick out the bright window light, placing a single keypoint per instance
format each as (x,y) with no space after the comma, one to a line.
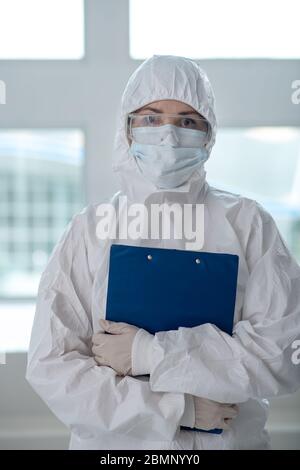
(14,339)
(41,29)
(215,28)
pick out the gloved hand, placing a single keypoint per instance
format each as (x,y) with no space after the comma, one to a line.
(114,349)
(211,414)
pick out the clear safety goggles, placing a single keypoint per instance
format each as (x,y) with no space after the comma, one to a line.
(147,128)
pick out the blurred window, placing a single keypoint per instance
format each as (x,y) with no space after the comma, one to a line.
(262,163)
(40,190)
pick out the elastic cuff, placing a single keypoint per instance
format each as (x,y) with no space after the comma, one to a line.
(141,353)
(188,417)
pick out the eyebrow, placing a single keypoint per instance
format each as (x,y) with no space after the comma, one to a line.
(155,110)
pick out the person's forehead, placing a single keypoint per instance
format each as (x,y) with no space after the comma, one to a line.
(168,104)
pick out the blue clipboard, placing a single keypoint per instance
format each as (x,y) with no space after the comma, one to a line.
(162,289)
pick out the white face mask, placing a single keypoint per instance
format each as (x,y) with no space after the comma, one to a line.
(166,164)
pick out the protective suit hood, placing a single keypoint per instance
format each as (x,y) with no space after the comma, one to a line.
(161,78)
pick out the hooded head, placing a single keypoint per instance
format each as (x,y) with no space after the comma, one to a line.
(161,78)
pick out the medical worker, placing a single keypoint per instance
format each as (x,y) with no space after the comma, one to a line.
(97,383)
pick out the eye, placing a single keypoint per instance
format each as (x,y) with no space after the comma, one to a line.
(188,122)
(150,120)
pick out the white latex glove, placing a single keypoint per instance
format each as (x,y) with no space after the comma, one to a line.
(211,414)
(114,349)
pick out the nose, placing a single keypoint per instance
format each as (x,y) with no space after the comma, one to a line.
(170,138)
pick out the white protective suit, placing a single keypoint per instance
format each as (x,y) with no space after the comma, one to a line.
(106,411)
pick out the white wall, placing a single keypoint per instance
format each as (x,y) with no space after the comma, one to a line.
(85,94)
